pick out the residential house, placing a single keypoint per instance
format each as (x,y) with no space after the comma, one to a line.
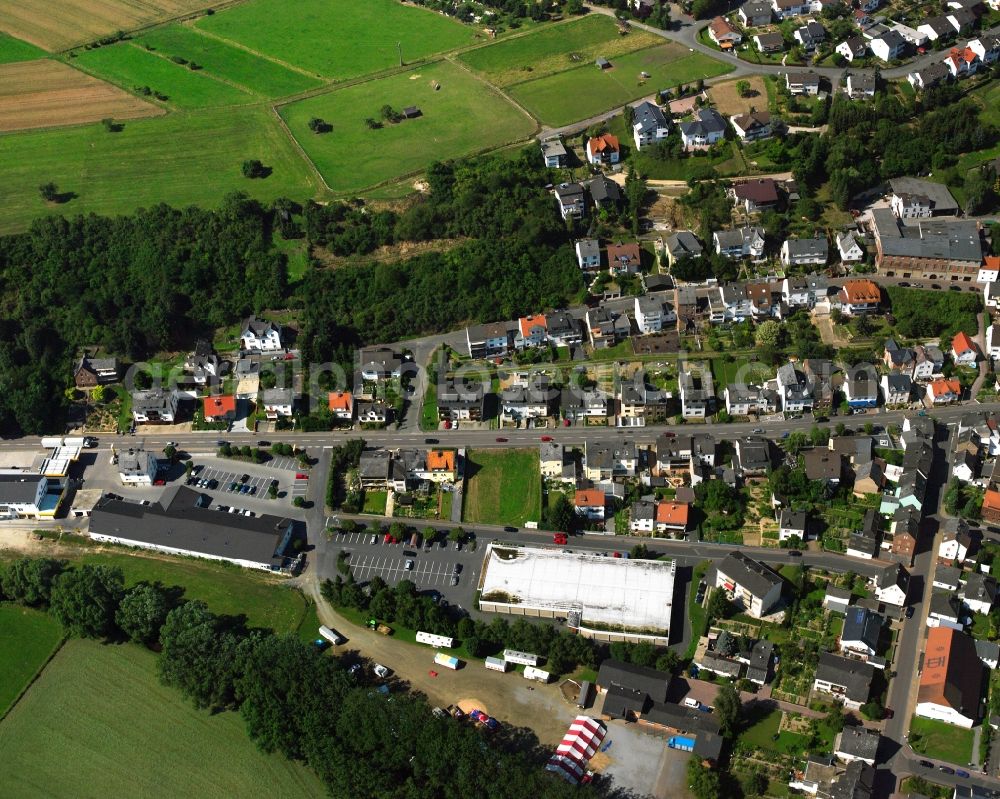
(964,351)
(532,331)
(753,455)
(588,404)
(604,192)
(802,83)
(603,149)
(605,461)
(219,408)
(642,517)
(564,330)
(979,592)
(989,653)
(651,314)
(987,48)
(649,124)
(682,244)
(962,62)
(154,406)
(753,585)
(707,128)
(458,402)
(761,298)
(935,28)
(861,18)
(896,389)
(795,292)
(724,34)
(851,48)
(993,341)
(966,461)
(956,541)
(928,361)
(951,678)
(857,743)
(752,126)
(888,46)
(605,327)
(859,296)
(962,20)
(819,373)
(493,339)
(204,365)
(755,13)
(796,252)
(770,42)
(846,679)
(532,400)
(847,244)
(869,478)
(277,402)
(928,76)
(837,600)
(672,517)
(260,335)
(861,632)
(624,259)
(859,86)
(630,690)
(945,611)
(745,242)
(136,467)
(891,584)
(588,255)
(910,35)
(556,462)
(786,9)
(824,466)
(902,537)
(92,372)
(796,395)
(989,271)
(861,389)
(756,195)
(810,36)
(744,400)
(374,468)
(589,503)
(571,202)
(943,391)
(898,359)
(696,391)
(792,524)
(554,153)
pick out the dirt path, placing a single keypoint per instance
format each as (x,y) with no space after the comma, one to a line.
(506,696)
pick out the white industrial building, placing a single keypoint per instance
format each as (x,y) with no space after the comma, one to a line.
(624,594)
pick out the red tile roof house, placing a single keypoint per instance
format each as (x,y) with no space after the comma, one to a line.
(991,505)
(624,258)
(724,34)
(672,517)
(589,503)
(963,350)
(603,149)
(220,409)
(756,195)
(341,405)
(942,391)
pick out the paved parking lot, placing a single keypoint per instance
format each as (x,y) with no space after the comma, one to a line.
(279,462)
(225,477)
(391,567)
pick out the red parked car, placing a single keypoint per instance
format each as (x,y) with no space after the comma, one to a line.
(560,538)
(546,438)
(301,476)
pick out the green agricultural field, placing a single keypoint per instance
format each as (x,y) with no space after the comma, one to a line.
(27,639)
(131,66)
(180,159)
(234,64)
(338,38)
(97,722)
(504,486)
(554,48)
(585,91)
(12,50)
(461,117)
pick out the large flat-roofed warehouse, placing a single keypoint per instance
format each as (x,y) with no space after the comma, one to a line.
(183,523)
(611,599)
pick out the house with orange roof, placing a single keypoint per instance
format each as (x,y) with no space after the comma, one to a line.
(964,351)
(991,505)
(441,465)
(724,34)
(944,391)
(951,679)
(603,149)
(989,272)
(672,517)
(341,405)
(221,408)
(532,331)
(859,297)
(589,503)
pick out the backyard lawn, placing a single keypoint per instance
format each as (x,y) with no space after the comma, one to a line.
(459,115)
(339,38)
(941,741)
(134,738)
(27,639)
(585,91)
(375,502)
(502,487)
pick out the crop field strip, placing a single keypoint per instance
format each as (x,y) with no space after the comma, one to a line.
(29,639)
(46,93)
(363,37)
(13,50)
(131,66)
(58,25)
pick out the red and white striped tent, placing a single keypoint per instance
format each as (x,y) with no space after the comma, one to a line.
(581,742)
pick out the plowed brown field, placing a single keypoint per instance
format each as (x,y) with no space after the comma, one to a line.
(41,94)
(59,25)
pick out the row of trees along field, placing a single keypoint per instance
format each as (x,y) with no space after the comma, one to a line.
(294,699)
(160,278)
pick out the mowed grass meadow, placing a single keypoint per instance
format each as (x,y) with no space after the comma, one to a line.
(131,66)
(27,640)
(460,117)
(13,50)
(338,38)
(228,62)
(179,159)
(554,48)
(98,722)
(585,91)
(503,487)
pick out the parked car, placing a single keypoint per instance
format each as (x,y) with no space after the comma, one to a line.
(925,763)
(409,565)
(946,769)
(301,476)
(961,773)
(159,481)
(373,540)
(244,478)
(454,579)
(546,438)
(909,612)
(501,440)
(560,538)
